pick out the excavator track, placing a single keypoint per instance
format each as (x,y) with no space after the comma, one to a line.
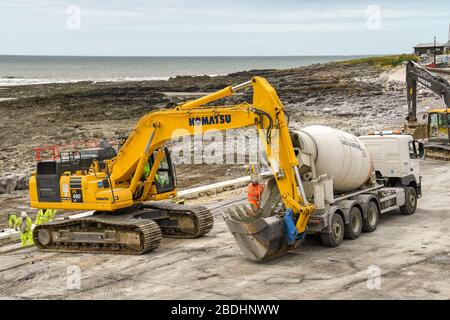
(135,232)
(102,233)
(437,152)
(191,221)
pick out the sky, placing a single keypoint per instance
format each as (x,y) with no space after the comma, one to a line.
(219,28)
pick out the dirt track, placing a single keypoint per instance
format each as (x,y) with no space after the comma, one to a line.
(412,252)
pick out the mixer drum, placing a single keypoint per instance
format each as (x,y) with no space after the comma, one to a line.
(337,153)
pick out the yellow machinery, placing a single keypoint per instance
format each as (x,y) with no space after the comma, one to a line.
(128,217)
(437,129)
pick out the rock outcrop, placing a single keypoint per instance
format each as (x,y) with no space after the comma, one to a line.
(13,181)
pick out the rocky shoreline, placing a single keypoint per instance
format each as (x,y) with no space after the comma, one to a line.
(351,96)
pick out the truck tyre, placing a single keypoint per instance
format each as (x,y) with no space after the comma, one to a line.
(353,228)
(410,201)
(373,214)
(335,237)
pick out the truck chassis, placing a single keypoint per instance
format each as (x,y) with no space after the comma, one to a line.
(348,215)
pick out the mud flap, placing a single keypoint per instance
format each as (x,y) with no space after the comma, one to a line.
(259,239)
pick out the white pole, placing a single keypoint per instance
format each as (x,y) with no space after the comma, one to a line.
(448,43)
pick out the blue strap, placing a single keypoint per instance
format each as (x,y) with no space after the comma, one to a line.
(290,228)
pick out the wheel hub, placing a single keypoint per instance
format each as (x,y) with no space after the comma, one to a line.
(337,230)
(44,237)
(355,223)
(372,216)
(412,200)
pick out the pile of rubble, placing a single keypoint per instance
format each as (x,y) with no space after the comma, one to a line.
(13,181)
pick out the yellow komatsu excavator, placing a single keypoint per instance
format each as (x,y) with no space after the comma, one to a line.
(129,217)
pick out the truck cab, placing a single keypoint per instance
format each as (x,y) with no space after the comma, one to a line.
(396,159)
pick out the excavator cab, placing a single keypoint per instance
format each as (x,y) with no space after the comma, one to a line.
(439,125)
(165,177)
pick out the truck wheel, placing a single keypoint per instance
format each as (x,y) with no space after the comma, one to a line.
(353,228)
(373,214)
(335,237)
(410,201)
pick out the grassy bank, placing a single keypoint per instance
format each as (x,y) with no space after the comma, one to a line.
(384,62)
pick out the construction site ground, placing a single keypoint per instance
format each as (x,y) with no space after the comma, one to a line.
(411,252)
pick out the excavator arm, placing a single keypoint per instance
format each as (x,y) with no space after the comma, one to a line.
(417,74)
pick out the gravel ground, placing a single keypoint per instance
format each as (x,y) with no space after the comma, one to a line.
(411,252)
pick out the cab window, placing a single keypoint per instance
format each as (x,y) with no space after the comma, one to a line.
(165,176)
(433,119)
(438,124)
(413,148)
(442,120)
(162,179)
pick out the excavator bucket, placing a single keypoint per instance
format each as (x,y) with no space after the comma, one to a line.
(260,234)
(259,239)
(418,131)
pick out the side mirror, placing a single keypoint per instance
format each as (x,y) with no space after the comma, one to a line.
(421,151)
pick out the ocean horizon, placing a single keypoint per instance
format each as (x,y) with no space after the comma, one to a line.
(21,70)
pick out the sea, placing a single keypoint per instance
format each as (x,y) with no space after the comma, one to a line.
(20,70)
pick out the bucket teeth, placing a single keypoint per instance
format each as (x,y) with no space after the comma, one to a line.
(231,214)
(249,212)
(241,214)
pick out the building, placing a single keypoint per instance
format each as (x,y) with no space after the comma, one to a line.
(428,48)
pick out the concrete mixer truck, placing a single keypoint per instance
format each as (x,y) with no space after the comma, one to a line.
(349,180)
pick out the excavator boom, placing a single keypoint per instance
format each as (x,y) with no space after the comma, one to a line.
(417,74)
